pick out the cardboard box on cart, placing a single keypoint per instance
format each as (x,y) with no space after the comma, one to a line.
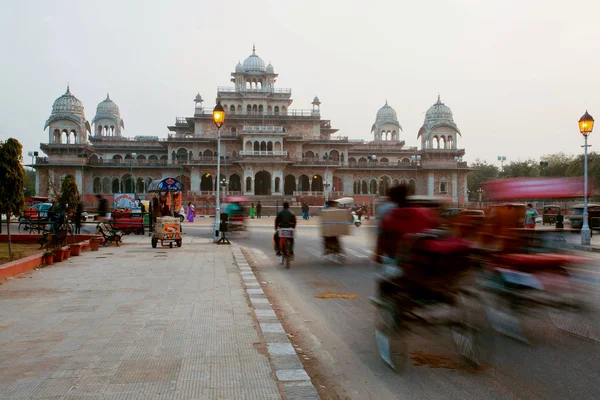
(168,226)
(335,223)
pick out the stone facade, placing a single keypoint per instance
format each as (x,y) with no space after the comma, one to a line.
(267,148)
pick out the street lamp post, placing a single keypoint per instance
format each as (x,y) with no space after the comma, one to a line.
(415,160)
(219,119)
(502,159)
(326,183)
(458,160)
(480,192)
(83,156)
(133,156)
(586,124)
(373,159)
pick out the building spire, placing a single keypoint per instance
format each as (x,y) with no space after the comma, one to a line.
(107,96)
(68,89)
(386,102)
(253,48)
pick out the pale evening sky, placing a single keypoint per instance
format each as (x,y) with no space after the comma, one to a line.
(516,74)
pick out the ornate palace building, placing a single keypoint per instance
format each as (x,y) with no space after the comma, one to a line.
(268,148)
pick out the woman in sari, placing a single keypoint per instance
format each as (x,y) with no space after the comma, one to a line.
(191,212)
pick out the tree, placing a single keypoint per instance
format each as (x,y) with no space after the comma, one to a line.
(69,195)
(29,183)
(558,164)
(481,172)
(12,176)
(516,169)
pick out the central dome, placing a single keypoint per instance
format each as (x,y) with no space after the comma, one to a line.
(67,104)
(439,112)
(254,63)
(108,107)
(387,113)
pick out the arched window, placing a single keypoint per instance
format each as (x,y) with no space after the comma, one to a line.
(352,160)
(384,160)
(239,109)
(442,142)
(263,146)
(270,148)
(97,185)
(117,157)
(362,160)
(116,186)
(450,142)
(276,109)
(256,146)
(232,109)
(443,187)
(106,185)
(309,154)
(233,130)
(207,153)
(248,109)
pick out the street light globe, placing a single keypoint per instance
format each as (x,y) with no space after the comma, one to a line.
(219,115)
(586,124)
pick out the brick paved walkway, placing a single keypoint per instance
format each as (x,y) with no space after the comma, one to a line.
(133,323)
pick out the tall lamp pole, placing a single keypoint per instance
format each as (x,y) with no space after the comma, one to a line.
(458,160)
(586,124)
(83,156)
(372,159)
(480,192)
(133,156)
(502,159)
(326,184)
(219,119)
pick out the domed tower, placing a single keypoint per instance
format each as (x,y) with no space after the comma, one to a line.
(253,74)
(107,121)
(386,126)
(439,130)
(67,123)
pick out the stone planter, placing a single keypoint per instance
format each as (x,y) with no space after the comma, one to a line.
(58,254)
(48,260)
(76,249)
(95,244)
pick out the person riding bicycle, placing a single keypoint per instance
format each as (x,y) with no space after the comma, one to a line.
(285,219)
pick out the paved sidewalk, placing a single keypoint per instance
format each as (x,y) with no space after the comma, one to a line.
(134,323)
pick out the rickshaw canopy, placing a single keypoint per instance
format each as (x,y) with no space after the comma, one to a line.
(165,185)
(236,199)
(344,200)
(534,188)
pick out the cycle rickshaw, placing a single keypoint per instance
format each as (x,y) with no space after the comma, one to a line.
(167,229)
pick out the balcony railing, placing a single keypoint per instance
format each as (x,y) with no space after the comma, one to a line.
(264,153)
(384,165)
(228,89)
(316,161)
(262,129)
(261,114)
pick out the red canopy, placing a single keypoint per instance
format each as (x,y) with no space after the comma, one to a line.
(535,188)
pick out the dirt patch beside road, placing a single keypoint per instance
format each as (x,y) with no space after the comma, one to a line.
(19,251)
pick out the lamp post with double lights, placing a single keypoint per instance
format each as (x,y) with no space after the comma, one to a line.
(327,184)
(133,156)
(458,160)
(586,124)
(373,160)
(502,159)
(218,119)
(415,161)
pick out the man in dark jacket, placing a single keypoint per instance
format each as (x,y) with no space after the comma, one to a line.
(258,210)
(285,219)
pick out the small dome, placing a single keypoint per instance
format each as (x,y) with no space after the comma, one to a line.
(198,98)
(108,107)
(439,112)
(316,100)
(254,63)
(270,69)
(239,67)
(67,104)
(387,113)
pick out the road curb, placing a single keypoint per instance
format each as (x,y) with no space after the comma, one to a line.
(285,361)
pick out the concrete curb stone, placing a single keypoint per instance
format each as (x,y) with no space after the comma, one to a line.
(284,359)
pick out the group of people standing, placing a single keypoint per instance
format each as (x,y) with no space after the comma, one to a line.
(256,212)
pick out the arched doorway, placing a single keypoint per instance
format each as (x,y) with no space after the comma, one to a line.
(412,187)
(338,184)
(289,185)
(364,187)
(116,186)
(277,185)
(356,187)
(206,184)
(235,184)
(303,184)
(248,184)
(262,183)
(373,187)
(317,184)
(384,184)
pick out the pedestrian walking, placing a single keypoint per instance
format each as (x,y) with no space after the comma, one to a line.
(252,211)
(530,215)
(78,215)
(191,212)
(304,210)
(258,210)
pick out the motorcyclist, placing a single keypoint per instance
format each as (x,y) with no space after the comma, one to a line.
(285,219)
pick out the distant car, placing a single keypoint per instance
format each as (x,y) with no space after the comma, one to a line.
(451,214)
(476,216)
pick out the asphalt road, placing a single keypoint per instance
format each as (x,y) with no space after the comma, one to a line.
(337,335)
